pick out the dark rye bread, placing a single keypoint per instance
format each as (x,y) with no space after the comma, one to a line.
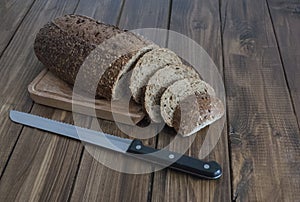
(70,42)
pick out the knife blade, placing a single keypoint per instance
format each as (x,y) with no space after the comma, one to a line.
(135,148)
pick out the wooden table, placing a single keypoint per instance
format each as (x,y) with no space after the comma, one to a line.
(255,44)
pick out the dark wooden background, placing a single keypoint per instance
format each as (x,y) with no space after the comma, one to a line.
(255,44)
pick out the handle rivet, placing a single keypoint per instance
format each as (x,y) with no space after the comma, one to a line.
(171,156)
(138,147)
(206,166)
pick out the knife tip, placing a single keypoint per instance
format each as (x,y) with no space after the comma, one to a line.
(12,115)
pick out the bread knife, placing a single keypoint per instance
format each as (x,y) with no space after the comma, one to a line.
(185,164)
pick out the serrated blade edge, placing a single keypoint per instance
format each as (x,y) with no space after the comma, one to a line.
(86,135)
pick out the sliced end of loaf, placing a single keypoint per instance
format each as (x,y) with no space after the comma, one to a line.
(108,80)
(129,44)
(121,84)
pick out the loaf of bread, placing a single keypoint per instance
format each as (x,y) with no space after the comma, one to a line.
(121,61)
(67,42)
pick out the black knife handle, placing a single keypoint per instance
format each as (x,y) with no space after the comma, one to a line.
(186,164)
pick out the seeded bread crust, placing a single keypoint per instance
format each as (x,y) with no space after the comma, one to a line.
(177,92)
(86,28)
(72,41)
(159,82)
(146,67)
(196,112)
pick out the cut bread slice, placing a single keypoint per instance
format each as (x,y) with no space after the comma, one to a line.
(116,78)
(177,92)
(196,112)
(159,82)
(146,67)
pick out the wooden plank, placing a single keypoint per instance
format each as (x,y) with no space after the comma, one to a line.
(106,11)
(199,20)
(263,128)
(25,172)
(50,169)
(18,68)
(12,13)
(43,165)
(95,181)
(285,19)
(155,14)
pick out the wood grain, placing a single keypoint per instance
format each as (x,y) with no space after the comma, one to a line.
(199,20)
(263,128)
(95,181)
(264,134)
(50,169)
(12,13)
(19,65)
(49,90)
(43,165)
(285,19)
(154,14)
(147,21)
(104,10)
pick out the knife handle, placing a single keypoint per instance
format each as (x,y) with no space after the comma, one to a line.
(186,164)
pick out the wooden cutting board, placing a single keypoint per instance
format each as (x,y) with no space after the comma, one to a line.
(47,89)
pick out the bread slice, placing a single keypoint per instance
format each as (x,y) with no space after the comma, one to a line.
(177,92)
(196,112)
(114,83)
(147,65)
(70,42)
(159,82)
